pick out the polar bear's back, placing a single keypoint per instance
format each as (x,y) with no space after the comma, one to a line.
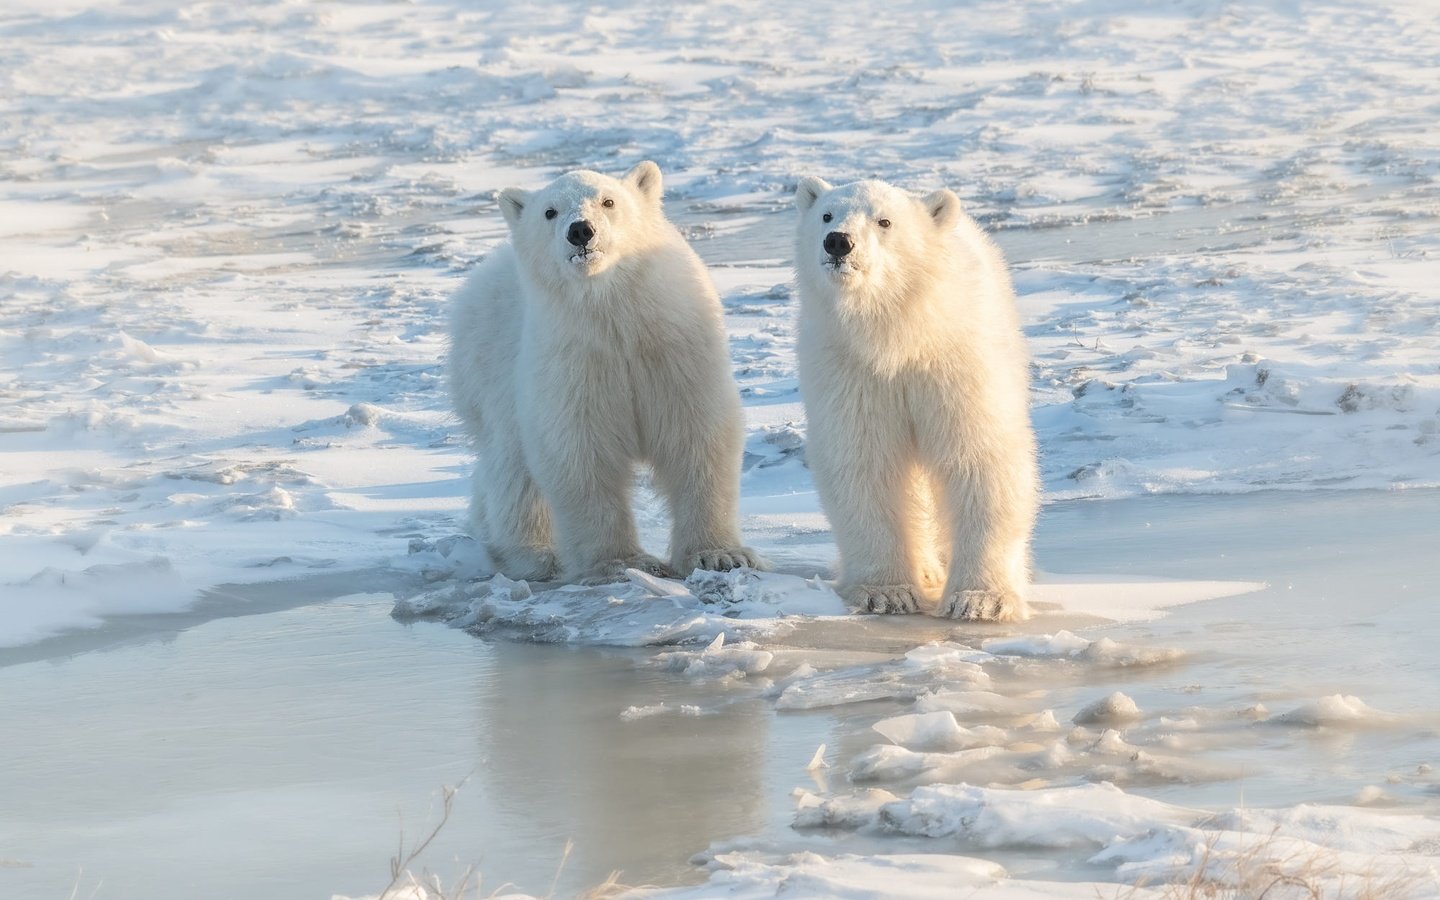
(981,296)
(485,319)
(979,266)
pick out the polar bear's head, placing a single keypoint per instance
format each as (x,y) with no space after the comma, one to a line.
(583,224)
(869,239)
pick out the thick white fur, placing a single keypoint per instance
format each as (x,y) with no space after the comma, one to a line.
(915,379)
(571,369)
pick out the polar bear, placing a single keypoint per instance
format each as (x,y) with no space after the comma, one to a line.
(915,380)
(589,344)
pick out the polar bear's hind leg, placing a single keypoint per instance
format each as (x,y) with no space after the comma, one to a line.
(516,522)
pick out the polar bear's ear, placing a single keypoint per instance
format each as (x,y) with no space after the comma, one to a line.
(645,178)
(809,190)
(512,203)
(944,208)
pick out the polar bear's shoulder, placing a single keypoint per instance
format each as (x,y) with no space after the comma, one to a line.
(493,292)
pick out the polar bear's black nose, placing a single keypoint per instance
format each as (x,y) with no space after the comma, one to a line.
(837,244)
(580,233)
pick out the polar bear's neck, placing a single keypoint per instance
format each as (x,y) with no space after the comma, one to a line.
(662,294)
(931,312)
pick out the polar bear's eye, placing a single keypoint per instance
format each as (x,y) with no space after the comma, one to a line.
(883,223)
(550,214)
(827,217)
(608,203)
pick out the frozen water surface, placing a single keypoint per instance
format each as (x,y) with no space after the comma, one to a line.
(281,753)
(227,236)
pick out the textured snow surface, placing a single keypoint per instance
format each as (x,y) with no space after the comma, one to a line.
(229,232)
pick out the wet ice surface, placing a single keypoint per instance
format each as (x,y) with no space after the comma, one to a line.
(1140,752)
(227,235)
(276,754)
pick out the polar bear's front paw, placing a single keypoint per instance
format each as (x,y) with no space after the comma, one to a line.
(725,559)
(613,570)
(538,567)
(648,564)
(526,563)
(885,598)
(984,606)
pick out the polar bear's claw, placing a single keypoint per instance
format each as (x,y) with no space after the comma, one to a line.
(983,606)
(725,559)
(889,599)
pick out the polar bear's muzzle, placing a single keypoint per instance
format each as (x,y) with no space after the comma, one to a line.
(580,233)
(838,244)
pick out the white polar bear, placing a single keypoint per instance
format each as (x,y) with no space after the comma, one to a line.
(915,380)
(590,344)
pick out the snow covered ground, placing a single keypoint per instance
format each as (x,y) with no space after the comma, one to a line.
(228,233)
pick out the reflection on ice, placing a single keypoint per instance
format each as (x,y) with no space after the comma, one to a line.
(967,738)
